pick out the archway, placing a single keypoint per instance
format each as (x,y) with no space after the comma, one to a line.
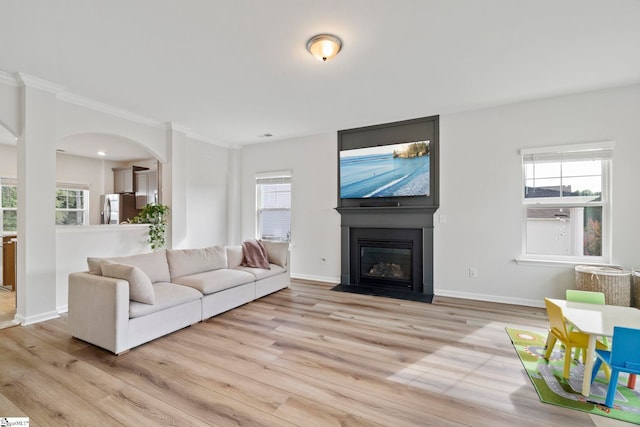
(8,226)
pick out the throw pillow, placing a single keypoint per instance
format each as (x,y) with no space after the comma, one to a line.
(140,287)
(277,252)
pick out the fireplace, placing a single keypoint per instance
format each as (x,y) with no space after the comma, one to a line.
(386,225)
(386,258)
(377,259)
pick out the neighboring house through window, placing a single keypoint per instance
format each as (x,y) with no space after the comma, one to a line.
(273,192)
(567,203)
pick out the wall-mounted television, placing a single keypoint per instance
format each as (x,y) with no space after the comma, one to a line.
(395,170)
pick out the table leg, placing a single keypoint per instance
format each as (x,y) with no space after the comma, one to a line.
(588,365)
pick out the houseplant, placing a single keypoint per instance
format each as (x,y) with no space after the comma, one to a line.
(155,216)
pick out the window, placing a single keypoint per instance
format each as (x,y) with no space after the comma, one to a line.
(72,204)
(274,206)
(8,205)
(566,202)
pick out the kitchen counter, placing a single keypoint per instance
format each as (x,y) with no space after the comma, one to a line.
(99,228)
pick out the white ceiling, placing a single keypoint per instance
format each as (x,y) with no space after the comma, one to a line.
(231,71)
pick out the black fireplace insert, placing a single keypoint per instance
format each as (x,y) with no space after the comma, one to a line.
(387,258)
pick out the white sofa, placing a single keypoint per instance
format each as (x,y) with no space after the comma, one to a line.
(179,288)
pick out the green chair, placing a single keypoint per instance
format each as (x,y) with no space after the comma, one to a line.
(587,297)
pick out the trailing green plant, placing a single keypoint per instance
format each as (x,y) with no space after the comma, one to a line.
(155,216)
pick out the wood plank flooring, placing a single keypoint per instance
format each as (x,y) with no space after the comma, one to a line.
(304,356)
(7,307)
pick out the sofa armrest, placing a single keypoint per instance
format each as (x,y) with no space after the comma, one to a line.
(99,310)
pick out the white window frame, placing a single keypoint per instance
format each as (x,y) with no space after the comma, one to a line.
(600,150)
(75,187)
(279,177)
(10,183)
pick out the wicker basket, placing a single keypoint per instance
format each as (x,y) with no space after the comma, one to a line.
(635,288)
(614,282)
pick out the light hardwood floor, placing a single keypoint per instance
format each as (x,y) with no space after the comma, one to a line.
(7,307)
(304,356)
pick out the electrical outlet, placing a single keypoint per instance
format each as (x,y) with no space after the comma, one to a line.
(473,272)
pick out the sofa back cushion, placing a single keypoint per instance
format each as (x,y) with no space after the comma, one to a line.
(234,256)
(140,287)
(191,261)
(277,252)
(153,264)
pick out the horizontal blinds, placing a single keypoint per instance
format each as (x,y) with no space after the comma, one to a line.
(274,189)
(567,153)
(280,177)
(64,185)
(276,224)
(72,186)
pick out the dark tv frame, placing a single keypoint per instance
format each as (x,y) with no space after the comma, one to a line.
(426,128)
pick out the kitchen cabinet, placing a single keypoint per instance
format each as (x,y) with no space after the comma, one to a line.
(146,188)
(9,261)
(122,180)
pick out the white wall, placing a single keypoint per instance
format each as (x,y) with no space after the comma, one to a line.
(480,193)
(315,225)
(206,194)
(75,244)
(8,161)
(480,190)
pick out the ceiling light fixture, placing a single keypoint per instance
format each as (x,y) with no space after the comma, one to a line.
(324,46)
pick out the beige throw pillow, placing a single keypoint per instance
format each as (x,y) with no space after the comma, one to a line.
(140,287)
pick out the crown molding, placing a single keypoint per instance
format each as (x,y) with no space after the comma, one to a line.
(176,127)
(9,79)
(38,83)
(82,101)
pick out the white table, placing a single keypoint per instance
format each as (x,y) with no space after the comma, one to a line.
(596,321)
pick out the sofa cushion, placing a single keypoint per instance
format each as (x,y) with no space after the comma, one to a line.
(212,281)
(140,287)
(234,256)
(167,295)
(154,264)
(261,273)
(191,261)
(277,252)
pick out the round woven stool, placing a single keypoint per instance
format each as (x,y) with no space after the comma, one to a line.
(614,282)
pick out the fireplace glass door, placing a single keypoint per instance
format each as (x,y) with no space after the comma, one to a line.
(386,263)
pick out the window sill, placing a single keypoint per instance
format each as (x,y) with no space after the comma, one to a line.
(556,263)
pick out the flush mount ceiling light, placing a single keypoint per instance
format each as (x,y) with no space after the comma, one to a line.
(324,46)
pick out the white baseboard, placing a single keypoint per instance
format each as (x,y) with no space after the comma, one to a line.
(489,298)
(24,321)
(325,279)
(62,309)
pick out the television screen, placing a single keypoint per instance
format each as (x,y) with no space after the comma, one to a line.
(396,170)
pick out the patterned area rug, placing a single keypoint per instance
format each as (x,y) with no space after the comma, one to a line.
(547,379)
